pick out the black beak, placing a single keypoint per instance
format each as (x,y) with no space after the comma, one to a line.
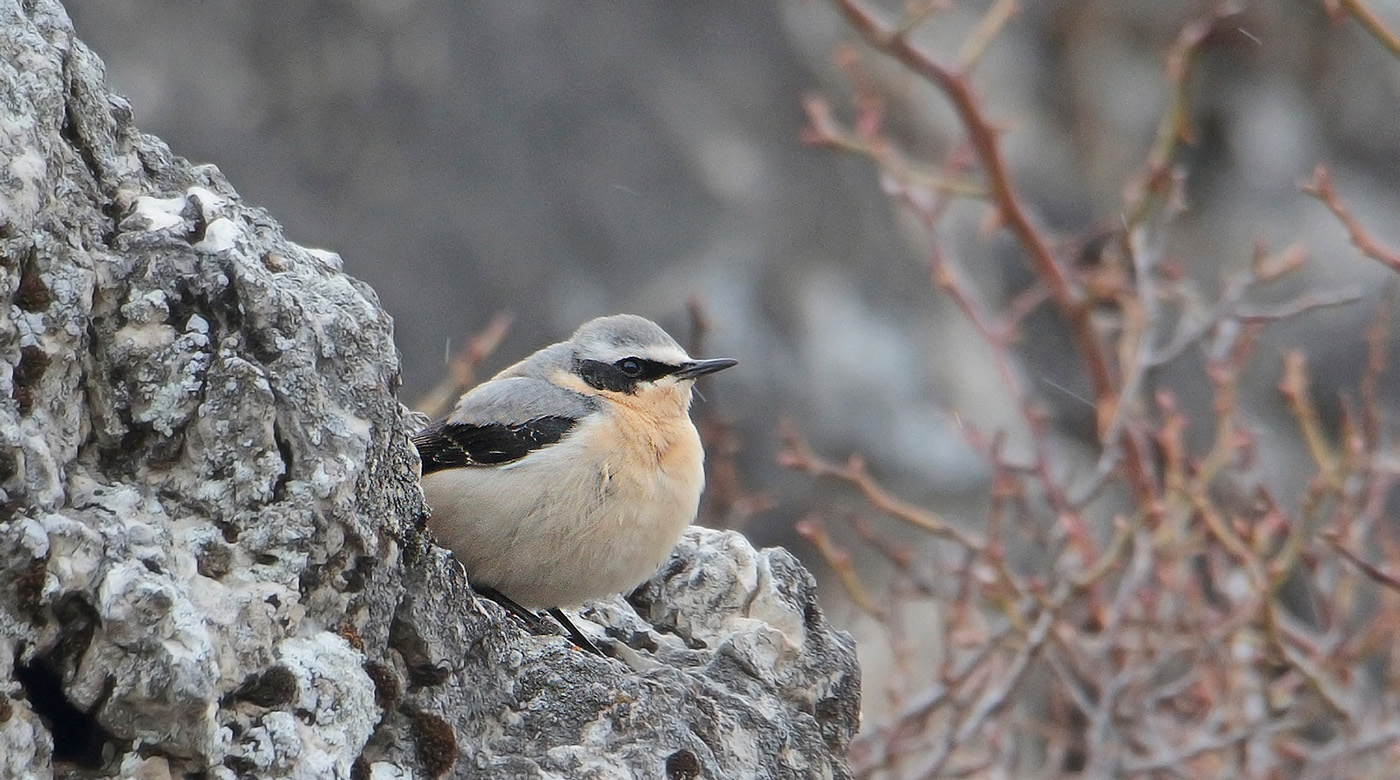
(698,368)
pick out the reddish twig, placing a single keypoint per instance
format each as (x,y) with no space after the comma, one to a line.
(1179,610)
(799,456)
(839,560)
(984,138)
(1372,571)
(1321,188)
(462,366)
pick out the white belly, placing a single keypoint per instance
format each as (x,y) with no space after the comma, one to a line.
(551,530)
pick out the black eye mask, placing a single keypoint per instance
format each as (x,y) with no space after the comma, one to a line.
(624,375)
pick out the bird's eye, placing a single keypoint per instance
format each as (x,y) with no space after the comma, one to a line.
(630,366)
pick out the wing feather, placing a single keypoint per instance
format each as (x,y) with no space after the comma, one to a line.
(501,422)
(446,445)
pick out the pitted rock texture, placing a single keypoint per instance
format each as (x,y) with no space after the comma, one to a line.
(211,561)
(723,667)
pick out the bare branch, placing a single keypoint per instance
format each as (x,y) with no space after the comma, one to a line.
(1373,24)
(462,365)
(1321,188)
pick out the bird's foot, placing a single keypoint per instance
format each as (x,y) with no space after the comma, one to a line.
(574,634)
(535,624)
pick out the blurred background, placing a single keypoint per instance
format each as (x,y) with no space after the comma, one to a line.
(558,161)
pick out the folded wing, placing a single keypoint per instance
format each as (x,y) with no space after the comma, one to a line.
(501,422)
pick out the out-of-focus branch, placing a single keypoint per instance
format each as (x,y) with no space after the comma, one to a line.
(1294,387)
(1175,125)
(462,366)
(727,502)
(1363,14)
(984,138)
(1066,295)
(1321,188)
(799,456)
(1180,611)
(825,131)
(839,560)
(986,31)
(1376,573)
(899,557)
(994,697)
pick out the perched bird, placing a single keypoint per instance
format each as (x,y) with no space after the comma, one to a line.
(571,474)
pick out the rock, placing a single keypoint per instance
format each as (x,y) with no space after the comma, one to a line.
(731,671)
(211,555)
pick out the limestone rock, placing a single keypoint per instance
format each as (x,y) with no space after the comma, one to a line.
(211,557)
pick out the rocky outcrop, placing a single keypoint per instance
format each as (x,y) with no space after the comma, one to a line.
(211,557)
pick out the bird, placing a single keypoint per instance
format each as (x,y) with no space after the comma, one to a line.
(570,475)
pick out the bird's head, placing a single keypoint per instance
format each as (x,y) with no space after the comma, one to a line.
(631,360)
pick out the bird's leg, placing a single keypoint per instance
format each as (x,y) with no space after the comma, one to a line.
(574,634)
(533,621)
(530,619)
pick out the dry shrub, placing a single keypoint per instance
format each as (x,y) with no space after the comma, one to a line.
(1166,613)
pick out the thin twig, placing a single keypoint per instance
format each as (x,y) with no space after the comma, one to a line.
(462,366)
(1373,24)
(984,138)
(799,456)
(1294,387)
(987,29)
(1174,128)
(839,560)
(1321,188)
(1372,571)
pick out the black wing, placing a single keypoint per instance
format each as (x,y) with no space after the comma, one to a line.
(445,445)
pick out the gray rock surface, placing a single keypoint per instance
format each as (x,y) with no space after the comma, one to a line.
(210,555)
